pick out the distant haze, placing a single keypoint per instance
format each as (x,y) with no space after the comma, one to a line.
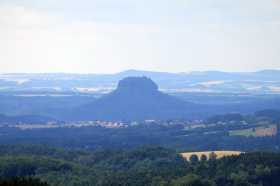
(107,36)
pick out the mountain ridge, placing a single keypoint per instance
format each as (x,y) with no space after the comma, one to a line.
(260,82)
(136,98)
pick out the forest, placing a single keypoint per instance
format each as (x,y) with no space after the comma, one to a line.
(146,165)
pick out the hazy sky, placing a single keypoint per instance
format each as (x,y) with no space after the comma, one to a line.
(105,36)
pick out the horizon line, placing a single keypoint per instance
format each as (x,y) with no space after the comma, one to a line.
(138,70)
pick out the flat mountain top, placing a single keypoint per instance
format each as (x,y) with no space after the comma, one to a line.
(134,84)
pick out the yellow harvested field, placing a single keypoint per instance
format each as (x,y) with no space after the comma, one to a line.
(218,154)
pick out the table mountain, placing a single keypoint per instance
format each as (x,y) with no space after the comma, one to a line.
(136,98)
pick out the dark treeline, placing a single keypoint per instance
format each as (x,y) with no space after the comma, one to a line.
(171,136)
(21,181)
(131,137)
(151,166)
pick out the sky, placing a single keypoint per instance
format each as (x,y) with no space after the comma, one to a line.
(108,36)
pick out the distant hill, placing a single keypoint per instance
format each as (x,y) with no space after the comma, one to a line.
(136,98)
(266,81)
(139,98)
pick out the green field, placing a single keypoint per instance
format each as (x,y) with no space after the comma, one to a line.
(270,130)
